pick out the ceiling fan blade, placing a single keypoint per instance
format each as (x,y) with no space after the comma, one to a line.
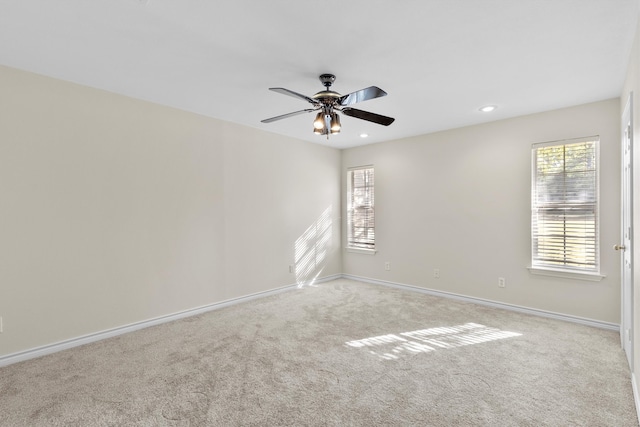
(294,94)
(371,117)
(361,95)
(284,116)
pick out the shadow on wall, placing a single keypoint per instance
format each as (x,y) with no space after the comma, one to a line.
(312,249)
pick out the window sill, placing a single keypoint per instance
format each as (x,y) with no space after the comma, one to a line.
(592,277)
(361,251)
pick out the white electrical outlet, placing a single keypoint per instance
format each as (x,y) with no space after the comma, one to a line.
(501,282)
(387,266)
(1,325)
(436,273)
(292,268)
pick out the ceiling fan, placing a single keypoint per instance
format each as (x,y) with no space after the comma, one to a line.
(329,103)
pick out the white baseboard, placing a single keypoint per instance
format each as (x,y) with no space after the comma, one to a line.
(636,398)
(319,280)
(86,339)
(495,304)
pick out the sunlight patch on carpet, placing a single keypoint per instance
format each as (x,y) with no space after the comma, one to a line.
(394,346)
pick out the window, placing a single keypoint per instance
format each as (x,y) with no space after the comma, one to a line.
(564,205)
(360,209)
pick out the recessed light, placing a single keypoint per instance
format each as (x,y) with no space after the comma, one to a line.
(364,135)
(487,108)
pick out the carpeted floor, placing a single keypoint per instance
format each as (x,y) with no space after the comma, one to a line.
(342,353)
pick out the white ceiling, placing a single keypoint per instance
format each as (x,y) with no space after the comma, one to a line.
(439,60)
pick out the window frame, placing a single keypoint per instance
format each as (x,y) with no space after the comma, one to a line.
(550,268)
(350,246)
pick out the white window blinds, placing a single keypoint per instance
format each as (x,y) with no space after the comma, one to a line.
(564,217)
(360,209)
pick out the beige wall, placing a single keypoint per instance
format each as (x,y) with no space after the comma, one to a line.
(459,201)
(114,210)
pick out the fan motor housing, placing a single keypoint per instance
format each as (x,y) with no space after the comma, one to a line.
(326,96)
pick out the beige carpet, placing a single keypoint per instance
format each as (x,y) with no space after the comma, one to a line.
(342,353)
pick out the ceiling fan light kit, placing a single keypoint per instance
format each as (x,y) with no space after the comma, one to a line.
(328,103)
